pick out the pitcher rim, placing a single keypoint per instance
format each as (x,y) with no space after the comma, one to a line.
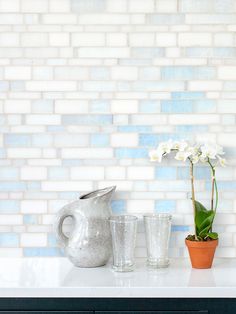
(102,192)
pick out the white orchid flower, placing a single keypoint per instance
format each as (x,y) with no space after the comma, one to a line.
(182,156)
(195,154)
(155,155)
(222,161)
(180,145)
(219,150)
(165,147)
(203,159)
(195,159)
(194,150)
(209,151)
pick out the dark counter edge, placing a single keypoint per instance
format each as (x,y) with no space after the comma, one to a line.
(213,305)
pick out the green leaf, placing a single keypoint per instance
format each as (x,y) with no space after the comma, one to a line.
(203,220)
(213,235)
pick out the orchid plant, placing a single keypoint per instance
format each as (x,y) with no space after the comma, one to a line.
(210,154)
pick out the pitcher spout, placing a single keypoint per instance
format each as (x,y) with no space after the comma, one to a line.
(102,194)
(108,192)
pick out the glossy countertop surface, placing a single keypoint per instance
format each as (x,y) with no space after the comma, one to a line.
(57,277)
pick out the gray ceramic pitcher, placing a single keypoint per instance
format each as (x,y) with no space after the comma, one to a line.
(89,243)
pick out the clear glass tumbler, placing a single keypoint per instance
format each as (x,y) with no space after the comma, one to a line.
(123,231)
(157,231)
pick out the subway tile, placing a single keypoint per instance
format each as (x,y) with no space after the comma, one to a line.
(99,86)
(200,173)
(124,140)
(165,19)
(135,128)
(58,173)
(100,106)
(99,140)
(179,228)
(61,186)
(33,239)
(69,19)
(43,252)
(30,219)
(176,106)
(71,106)
(71,140)
(99,73)
(11,18)
(33,173)
(187,95)
(124,106)
(87,119)
(131,153)
(206,105)
(147,52)
(87,173)
(198,6)
(195,39)
(84,6)
(115,173)
(210,18)
(211,52)
(9,240)
(52,240)
(191,128)
(193,119)
(88,39)
(166,6)
(165,173)
(34,40)
(33,185)
(138,6)
(140,173)
(33,206)
(70,73)
(88,153)
(9,173)
(149,73)
(38,7)
(16,153)
(9,206)
(187,73)
(52,86)
(12,186)
(104,19)
(164,206)
(149,106)
(4,86)
(44,140)
(9,6)
(152,140)
(223,185)
(17,73)
(118,206)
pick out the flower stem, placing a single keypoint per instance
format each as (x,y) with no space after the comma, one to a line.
(193,197)
(214,191)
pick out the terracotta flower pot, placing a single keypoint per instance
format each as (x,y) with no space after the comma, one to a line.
(201,253)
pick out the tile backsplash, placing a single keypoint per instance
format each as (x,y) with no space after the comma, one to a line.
(88,87)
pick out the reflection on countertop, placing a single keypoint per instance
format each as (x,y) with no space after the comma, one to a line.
(57,277)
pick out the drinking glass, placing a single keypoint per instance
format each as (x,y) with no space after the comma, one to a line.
(123,232)
(157,231)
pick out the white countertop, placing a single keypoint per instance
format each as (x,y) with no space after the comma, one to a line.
(57,277)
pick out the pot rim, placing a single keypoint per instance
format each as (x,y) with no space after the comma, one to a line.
(202,244)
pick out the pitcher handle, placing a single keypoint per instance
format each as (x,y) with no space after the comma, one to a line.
(60,217)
